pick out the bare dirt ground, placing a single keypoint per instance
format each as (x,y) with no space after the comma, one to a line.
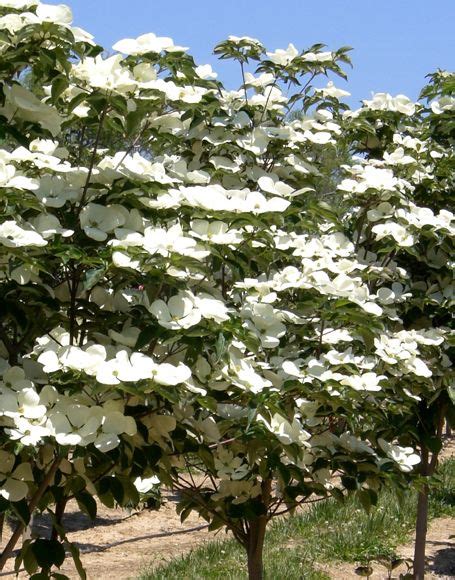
(121,544)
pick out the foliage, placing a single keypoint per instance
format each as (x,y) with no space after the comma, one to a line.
(177,296)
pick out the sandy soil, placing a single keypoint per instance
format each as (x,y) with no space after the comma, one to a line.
(121,544)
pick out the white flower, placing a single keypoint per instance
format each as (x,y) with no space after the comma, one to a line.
(247,378)
(254,42)
(56,190)
(286,432)
(398,157)
(179,312)
(355,444)
(147,43)
(394,230)
(168,241)
(317,57)
(267,323)
(261,81)
(30,432)
(365,382)
(48,226)
(77,425)
(370,177)
(167,374)
(283,57)
(146,484)
(443,104)
(404,456)
(211,307)
(332,91)
(99,220)
(224,163)
(255,141)
(29,404)
(60,14)
(385,102)
(108,74)
(205,71)
(216,232)
(19,100)
(18,4)
(273,185)
(228,466)
(257,203)
(13,236)
(241,491)
(10,178)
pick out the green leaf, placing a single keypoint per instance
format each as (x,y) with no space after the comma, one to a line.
(74,551)
(27,557)
(117,490)
(130,493)
(77,100)
(48,553)
(59,85)
(87,504)
(92,277)
(20,508)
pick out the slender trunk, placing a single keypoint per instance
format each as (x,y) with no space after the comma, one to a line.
(421,534)
(59,513)
(256,534)
(427,469)
(27,533)
(255,548)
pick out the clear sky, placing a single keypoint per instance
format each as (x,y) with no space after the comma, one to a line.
(396,42)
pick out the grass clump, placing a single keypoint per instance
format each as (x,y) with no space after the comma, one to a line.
(328,531)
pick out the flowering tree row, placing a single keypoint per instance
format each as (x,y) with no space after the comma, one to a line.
(195,280)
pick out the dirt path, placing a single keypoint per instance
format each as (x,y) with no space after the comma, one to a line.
(120,544)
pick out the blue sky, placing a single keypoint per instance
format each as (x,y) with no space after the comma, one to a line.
(396,42)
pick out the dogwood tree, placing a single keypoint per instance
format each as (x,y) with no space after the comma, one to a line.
(180,300)
(408,149)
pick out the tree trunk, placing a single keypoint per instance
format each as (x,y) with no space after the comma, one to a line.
(59,513)
(256,534)
(427,469)
(255,548)
(27,533)
(421,534)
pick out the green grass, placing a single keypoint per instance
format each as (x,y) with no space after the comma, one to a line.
(326,532)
